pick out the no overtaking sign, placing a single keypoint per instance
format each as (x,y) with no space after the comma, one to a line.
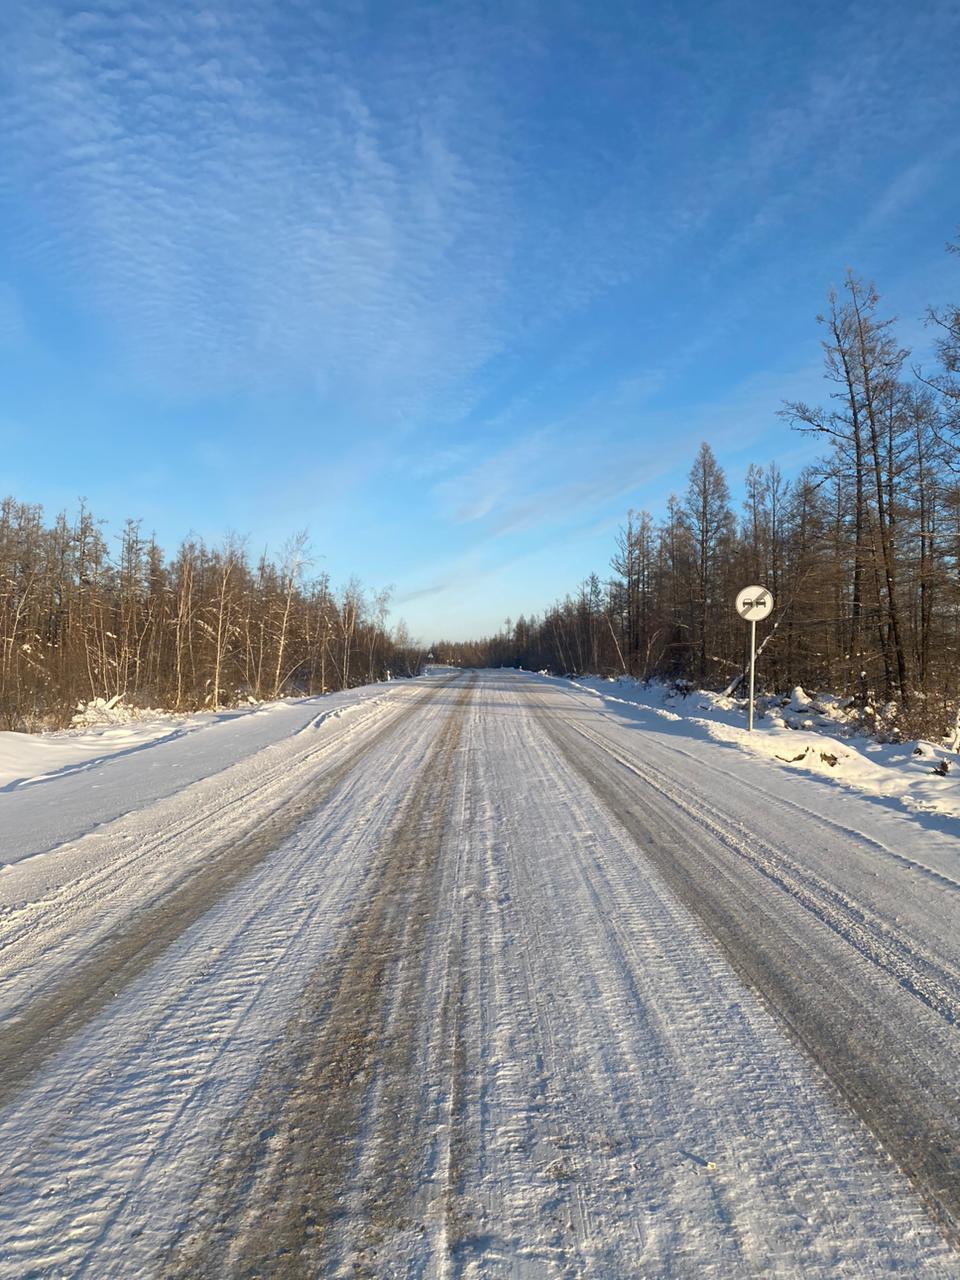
(753,605)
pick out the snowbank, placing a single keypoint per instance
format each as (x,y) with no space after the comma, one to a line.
(817,734)
(32,757)
(103,728)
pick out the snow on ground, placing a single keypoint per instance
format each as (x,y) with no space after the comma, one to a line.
(33,757)
(56,787)
(108,1152)
(464,984)
(102,729)
(801,733)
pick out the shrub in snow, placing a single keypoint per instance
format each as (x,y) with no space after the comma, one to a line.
(798,699)
(104,712)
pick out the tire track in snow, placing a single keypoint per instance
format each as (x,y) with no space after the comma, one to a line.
(154,847)
(513,1054)
(320,1169)
(874,1027)
(791,809)
(610,1053)
(43,1026)
(102,1160)
(936,985)
(49,920)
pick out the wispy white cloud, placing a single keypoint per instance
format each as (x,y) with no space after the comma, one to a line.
(820,130)
(901,194)
(365,195)
(620,447)
(243,201)
(473,494)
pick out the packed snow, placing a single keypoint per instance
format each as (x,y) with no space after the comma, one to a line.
(58,786)
(817,734)
(475,975)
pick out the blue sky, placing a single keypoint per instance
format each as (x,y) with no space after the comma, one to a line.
(451,285)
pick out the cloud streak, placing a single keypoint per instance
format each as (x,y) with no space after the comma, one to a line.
(244,202)
(365,196)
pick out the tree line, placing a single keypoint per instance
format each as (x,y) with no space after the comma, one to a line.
(79,621)
(861,550)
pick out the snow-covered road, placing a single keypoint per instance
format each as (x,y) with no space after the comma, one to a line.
(478,980)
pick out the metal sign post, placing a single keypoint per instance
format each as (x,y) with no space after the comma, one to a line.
(753,605)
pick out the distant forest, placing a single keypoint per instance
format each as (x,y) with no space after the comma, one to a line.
(204,629)
(861,550)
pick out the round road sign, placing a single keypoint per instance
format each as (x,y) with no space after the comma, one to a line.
(754,604)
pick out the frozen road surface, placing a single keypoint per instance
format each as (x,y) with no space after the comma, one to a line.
(479,980)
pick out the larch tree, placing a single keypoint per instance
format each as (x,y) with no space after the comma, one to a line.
(710,520)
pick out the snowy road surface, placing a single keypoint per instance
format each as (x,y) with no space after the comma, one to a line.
(479,981)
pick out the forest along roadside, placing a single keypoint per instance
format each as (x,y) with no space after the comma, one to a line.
(37,1024)
(850,948)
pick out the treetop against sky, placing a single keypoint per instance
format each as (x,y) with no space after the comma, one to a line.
(450,285)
